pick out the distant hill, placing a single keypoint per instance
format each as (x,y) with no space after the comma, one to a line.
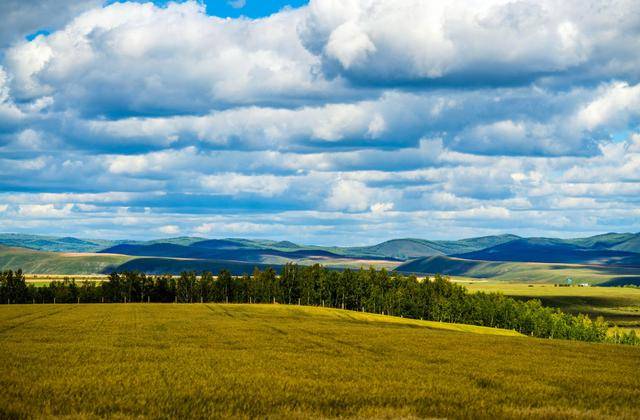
(175,254)
(553,251)
(630,245)
(52,243)
(605,241)
(401,249)
(397,248)
(219,250)
(405,249)
(172,266)
(44,262)
(522,271)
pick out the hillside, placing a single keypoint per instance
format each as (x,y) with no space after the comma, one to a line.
(405,249)
(176,266)
(522,271)
(604,241)
(279,361)
(52,243)
(630,245)
(40,262)
(552,251)
(219,250)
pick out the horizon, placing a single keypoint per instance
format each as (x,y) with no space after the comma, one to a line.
(319,122)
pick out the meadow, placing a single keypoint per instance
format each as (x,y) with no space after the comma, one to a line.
(286,361)
(618,305)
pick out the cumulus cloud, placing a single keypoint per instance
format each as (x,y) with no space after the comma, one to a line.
(131,58)
(233,183)
(21,18)
(9,112)
(413,118)
(497,42)
(617,106)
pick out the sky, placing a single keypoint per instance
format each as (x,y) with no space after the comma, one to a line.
(323,122)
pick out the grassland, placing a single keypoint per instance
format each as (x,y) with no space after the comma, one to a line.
(619,305)
(40,262)
(161,361)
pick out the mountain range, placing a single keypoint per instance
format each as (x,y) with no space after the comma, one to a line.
(409,254)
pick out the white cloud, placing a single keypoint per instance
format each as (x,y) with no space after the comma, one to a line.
(350,196)
(234,183)
(169,229)
(140,58)
(383,41)
(348,43)
(381,207)
(616,104)
(399,118)
(9,112)
(44,210)
(23,17)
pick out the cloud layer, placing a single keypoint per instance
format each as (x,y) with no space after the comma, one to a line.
(337,122)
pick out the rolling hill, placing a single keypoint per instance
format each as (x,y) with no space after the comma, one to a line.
(405,249)
(43,262)
(52,243)
(176,266)
(220,250)
(522,271)
(553,251)
(485,257)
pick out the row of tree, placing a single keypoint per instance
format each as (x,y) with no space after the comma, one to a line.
(375,291)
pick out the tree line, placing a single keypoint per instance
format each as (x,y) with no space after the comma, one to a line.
(374,291)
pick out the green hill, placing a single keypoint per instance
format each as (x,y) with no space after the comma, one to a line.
(53,243)
(40,262)
(280,361)
(630,245)
(604,241)
(409,248)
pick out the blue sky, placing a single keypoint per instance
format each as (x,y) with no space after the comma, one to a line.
(323,122)
(236,8)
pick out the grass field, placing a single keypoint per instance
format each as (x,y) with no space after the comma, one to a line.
(620,305)
(160,361)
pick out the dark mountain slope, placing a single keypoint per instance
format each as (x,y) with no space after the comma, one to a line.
(215,250)
(171,266)
(551,251)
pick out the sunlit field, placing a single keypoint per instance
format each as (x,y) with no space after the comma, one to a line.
(618,305)
(199,360)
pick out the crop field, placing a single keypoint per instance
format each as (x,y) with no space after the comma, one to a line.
(620,305)
(195,360)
